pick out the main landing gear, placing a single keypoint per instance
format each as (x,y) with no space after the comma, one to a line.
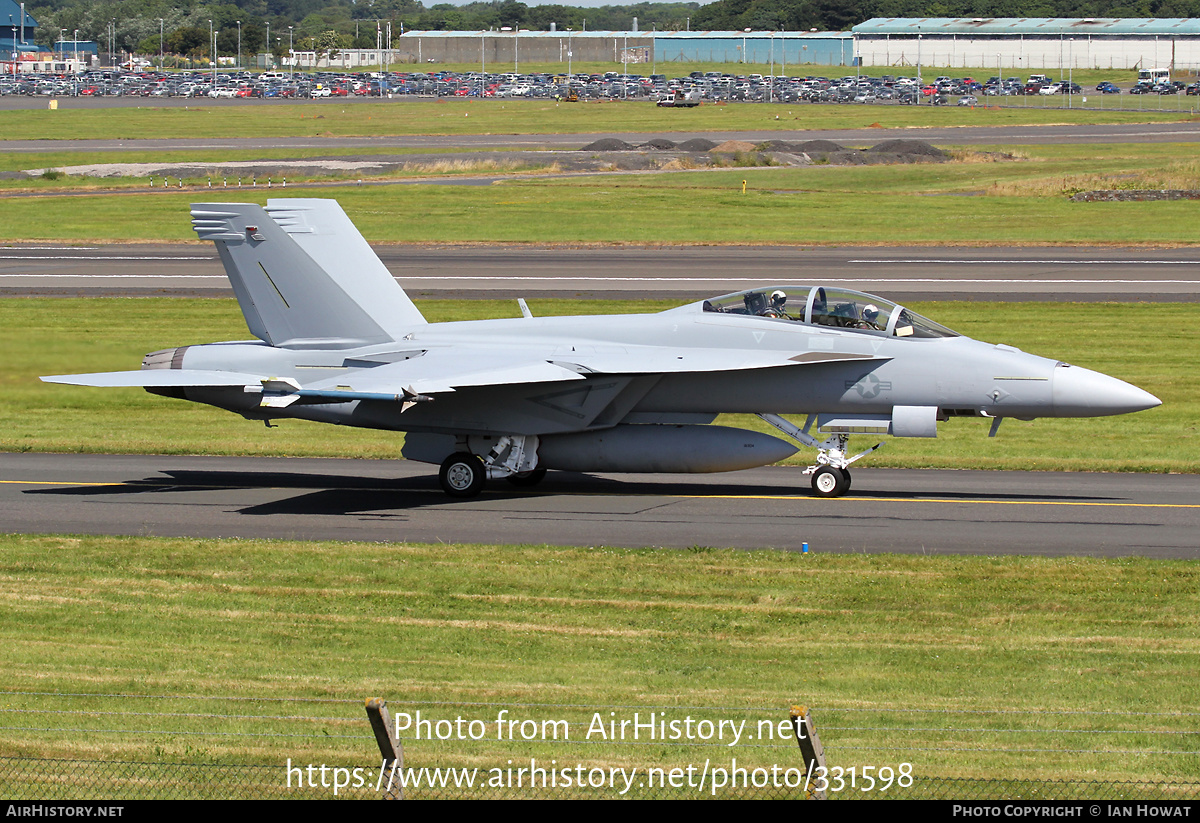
(831,472)
(462,475)
(514,457)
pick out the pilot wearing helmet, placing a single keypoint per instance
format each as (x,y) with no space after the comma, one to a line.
(776,306)
(871,318)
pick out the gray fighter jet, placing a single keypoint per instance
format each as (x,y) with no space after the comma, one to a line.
(340,342)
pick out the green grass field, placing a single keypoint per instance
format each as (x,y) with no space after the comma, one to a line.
(974,667)
(459,117)
(1004,195)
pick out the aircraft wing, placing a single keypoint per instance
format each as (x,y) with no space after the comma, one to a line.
(660,360)
(444,370)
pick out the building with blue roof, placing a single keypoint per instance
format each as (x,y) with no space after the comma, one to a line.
(829,48)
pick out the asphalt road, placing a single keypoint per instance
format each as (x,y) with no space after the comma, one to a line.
(908,511)
(682,273)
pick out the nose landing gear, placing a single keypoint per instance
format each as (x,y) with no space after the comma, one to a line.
(831,472)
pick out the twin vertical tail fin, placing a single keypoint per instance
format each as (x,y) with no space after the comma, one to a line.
(304,276)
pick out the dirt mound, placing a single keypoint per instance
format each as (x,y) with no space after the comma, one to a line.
(818,146)
(659,143)
(734,146)
(609,144)
(697,144)
(919,147)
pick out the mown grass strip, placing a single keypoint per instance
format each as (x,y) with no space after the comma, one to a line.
(462,117)
(977,200)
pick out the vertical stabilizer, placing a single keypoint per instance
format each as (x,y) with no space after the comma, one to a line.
(305,294)
(325,232)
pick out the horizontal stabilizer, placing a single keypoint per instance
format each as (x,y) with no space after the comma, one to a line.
(156,378)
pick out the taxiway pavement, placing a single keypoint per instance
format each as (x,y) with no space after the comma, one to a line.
(887,510)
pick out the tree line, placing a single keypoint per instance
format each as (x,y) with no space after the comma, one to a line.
(182,28)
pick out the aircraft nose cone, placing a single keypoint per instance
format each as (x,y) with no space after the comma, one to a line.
(1085,393)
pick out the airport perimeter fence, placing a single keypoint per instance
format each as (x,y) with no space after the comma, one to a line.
(112,747)
(40,780)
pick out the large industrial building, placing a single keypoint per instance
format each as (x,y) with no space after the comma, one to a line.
(499,48)
(1018,43)
(1007,43)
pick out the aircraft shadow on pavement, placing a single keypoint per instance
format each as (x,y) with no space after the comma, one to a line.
(327,494)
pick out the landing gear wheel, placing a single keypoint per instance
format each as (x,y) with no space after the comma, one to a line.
(462,475)
(828,481)
(524,480)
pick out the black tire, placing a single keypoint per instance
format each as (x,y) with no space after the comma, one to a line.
(525,480)
(828,481)
(462,475)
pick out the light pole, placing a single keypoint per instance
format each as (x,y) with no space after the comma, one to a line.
(160,44)
(919,89)
(239,60)
(771,82)
(625,68)
(1070,70)
(291,56)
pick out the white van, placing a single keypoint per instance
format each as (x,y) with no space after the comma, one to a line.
(1153,77)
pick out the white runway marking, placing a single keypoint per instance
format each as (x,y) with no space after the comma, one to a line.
(921,260)
(120,276)
(94,257)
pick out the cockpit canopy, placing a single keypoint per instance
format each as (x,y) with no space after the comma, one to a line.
(821,306)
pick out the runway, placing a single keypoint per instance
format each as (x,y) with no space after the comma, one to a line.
(888,510)
(680,273)
(1178,132)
